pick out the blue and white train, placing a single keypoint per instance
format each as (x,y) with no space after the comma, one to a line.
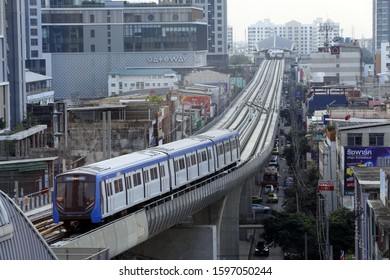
(97,192)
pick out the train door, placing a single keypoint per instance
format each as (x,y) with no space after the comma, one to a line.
(151,181)
(235,149)
(220,156)
(103,199)
(212,159)
(164,178)
(203,162)
(179,166)
(119,197)
(192,166)
(109,196)
(228,152)
(129,190)
(138,191)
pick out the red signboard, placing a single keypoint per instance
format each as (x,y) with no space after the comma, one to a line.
(325,185)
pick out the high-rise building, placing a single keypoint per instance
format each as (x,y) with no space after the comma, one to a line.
(14,48)
(215,12)
(307,37)
(381,22)
(230,39)
(83,42)
(4,84)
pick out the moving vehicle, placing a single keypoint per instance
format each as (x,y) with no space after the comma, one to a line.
(256,199)
(270,176)
(258,208)
(261,249)
(114,187)
(272,198)
(269,189)
(274,161)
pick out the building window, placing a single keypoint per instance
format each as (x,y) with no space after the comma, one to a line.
(33,22)
(92,33)
(355,139)
(91,18)
(34,53)
(33,12)
(34,42)
(34,32)
(376,139)
(92,48)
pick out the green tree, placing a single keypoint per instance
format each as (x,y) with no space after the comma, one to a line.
(342,231)
(239,59)
(288,231)
(154,99)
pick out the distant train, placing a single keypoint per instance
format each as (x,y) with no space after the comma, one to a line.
(275,54)
(97,192)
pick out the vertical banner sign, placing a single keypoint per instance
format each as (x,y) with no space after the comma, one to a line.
(363,157)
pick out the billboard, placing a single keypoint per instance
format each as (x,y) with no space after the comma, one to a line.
(364,157)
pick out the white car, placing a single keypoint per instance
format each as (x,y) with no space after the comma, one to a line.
(258,208)
(269,189)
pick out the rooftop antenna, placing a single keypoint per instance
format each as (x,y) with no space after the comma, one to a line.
(326,27)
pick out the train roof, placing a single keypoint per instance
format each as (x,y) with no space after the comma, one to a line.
(123,164)
(140,159)
(195,142)
(218,135)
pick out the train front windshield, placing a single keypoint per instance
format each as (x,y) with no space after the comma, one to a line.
(75,193)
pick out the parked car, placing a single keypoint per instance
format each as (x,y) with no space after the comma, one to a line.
(258,208)
(261,249)
(269,189)
(256,199)
(272,198)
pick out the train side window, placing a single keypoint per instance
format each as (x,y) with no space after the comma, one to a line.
(118,186)
(227,147)
(220,149)
(146,176)
(175,165)
(182,164)
(137,179)
(128,182)
(202,156)
(108,189)
(153,173)
(162,171)
(193,159)
(179,164)
(209,154)
(233,144)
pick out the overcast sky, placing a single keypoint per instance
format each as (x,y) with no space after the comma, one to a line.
(354,16)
